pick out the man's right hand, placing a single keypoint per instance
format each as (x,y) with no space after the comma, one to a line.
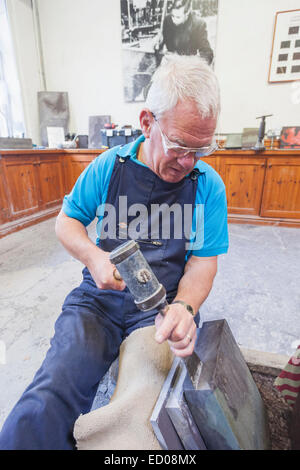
(102,271)
(73,235)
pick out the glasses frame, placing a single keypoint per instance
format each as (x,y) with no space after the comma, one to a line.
(199,152)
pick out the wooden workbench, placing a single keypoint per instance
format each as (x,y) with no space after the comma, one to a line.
(262,188)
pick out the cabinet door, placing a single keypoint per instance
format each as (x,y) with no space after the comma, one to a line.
(22,187)
(281,196)
(243,178)
(78,163)
(51,181)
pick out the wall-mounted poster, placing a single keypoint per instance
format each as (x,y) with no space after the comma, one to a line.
(285,58)
(153,28)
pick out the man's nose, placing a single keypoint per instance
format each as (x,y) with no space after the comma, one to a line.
(187,161)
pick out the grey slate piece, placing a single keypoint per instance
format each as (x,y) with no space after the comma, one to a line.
(15,143)
(161,423)
(179,412)
(53,112)
(96,123)
(226,403)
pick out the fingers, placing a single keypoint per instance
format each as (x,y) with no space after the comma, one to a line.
(175,325)
(113,280)
(117,275)
(179,328)
(186,346)
(106,275)
(110,283)
(119,284)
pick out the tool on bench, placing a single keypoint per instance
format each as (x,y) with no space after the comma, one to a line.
(259,146)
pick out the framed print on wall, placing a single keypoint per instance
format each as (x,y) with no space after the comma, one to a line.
(152,29)
(285,56)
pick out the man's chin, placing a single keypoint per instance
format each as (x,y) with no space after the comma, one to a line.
(173,176)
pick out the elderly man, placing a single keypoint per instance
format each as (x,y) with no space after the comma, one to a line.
(161,169)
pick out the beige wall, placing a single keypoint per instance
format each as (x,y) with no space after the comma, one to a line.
(81,42)
(245,36)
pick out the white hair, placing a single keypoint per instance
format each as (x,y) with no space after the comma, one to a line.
(184,78)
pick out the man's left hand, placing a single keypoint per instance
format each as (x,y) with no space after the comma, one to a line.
(179,328)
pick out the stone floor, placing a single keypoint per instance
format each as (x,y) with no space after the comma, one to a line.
(256,290)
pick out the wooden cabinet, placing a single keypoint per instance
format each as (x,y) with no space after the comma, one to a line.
(33,184)
(281,195)
(244,179)
(261,188)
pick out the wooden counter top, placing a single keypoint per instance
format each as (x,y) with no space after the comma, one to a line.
(50,151)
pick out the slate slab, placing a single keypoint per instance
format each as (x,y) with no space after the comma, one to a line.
(225,402)
(161,423)
(179,412)
(53,112)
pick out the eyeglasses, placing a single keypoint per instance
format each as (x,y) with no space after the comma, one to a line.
(171,148)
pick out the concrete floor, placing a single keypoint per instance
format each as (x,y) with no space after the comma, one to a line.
(257,290)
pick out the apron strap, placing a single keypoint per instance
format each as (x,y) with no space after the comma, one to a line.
(194,174)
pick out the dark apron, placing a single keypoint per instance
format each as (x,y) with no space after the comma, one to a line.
(141,186)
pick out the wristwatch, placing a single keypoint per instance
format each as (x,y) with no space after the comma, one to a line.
(187,306)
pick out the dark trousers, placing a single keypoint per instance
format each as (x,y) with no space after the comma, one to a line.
(88,334)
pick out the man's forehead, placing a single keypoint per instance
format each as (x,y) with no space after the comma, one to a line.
(191,122)
(185,109)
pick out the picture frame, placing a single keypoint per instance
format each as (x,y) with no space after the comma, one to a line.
(148,34)
(285,54)
(290,138)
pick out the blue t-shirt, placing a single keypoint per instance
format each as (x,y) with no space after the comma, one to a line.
(209,235)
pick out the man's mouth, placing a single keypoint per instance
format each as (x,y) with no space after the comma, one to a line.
(176,170)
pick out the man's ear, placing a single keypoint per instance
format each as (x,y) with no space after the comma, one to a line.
(146,121)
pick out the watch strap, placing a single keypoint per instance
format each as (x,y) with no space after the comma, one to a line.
(187,306)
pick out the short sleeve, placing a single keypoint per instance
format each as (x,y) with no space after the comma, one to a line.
(210,226)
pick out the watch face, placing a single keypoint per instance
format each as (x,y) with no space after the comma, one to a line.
(189,308)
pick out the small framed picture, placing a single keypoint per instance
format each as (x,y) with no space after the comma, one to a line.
(285,56)
(290,138)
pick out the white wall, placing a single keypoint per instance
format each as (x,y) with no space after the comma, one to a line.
(82,50)
(82,53)
(244,42)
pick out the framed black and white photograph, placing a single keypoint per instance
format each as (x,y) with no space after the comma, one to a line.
(285,56)
(153,28)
